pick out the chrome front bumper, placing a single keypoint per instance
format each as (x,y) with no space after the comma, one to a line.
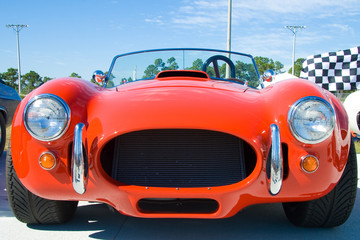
(276,161)
(79,164)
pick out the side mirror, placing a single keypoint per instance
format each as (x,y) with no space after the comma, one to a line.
(98,76)
(268,75)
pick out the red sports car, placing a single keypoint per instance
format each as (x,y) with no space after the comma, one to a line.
(181,133)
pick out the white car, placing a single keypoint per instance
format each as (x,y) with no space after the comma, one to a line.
(352,106)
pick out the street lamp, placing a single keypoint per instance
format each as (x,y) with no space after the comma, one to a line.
(294,29)
(17,28)
(229,36)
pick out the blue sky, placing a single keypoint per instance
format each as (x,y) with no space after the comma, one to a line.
(84,35)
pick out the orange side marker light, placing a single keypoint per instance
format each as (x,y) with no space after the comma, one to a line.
(47,161)
(309,164)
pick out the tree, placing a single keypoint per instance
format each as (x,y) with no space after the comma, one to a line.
(278,67)
(197,65)
(30,81)
(172,65)
(45,79)
(158,66)
(264,64)
(151,71)
(246,72)
(297,66)
(10,78)
(75,75)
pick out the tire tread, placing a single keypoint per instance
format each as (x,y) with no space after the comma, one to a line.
(30,208)
(332,209)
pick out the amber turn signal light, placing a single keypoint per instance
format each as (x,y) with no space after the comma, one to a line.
(47,161)
(310,164)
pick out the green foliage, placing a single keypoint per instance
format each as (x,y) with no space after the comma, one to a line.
(158,66)
(29,81)
(10,78)
(297,67)
(264,64)
(172,65)
(278,67)
(246,72)
(75,75)
(243,71)
(197,65)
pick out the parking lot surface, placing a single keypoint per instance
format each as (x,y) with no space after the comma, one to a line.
(96,221)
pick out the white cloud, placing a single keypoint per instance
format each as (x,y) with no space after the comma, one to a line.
(6,51)
(157,19)
(341,27)
(262,11)
(258,25)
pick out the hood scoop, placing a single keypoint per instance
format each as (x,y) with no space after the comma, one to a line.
(182,73)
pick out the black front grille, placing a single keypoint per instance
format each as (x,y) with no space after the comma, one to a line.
(178,158)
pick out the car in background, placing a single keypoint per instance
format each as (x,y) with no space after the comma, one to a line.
(181,133)
(352,106)
(9,100)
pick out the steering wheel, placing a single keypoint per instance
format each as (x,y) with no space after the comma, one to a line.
(214,60)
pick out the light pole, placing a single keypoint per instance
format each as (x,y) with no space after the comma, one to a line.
(229,37)
(17,28)
(294,29)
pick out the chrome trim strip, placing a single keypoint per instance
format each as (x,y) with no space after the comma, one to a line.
(78,164)
(276,164)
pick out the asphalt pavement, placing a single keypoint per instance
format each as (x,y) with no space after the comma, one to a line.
(96,221)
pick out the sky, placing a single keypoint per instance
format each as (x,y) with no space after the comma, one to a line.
(81,36)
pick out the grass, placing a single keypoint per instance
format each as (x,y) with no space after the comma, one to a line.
(357,146)
(8,134)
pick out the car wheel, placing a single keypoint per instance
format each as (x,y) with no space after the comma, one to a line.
(32,209)
(332,209)
(2,134)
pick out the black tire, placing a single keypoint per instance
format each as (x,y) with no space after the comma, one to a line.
(2,133)
(333,209)
(32,209)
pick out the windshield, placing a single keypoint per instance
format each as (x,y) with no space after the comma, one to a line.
(221,65)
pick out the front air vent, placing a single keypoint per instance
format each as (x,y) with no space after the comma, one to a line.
(178,205)
(184,158)
(181,73)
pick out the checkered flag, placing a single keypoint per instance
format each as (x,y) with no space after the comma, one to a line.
(334,70)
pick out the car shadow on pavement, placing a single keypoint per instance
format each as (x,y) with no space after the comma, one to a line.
(258,221)
(96,221)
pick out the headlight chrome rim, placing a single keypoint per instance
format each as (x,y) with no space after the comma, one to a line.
(293,110)
(61,102)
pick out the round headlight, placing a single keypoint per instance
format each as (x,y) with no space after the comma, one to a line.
(311,120)
(46,117)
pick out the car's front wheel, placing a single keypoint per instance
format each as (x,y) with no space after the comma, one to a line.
(332,209)
(32,209)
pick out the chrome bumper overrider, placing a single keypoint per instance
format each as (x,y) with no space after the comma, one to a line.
(276,161)
(79,163)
